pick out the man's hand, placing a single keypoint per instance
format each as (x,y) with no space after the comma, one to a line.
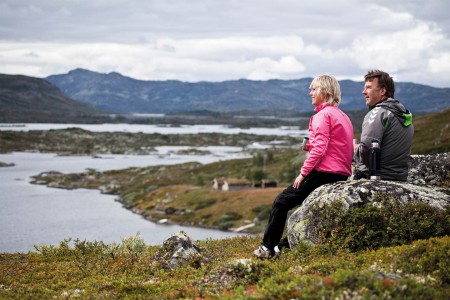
(298,181)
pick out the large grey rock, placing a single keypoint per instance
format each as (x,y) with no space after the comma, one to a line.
(431,169)
(357,193)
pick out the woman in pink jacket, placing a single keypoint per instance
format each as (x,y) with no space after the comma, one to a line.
(329,160)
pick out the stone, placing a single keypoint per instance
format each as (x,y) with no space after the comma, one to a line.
(428,181)
(179,249)
(431,169)
(2,164)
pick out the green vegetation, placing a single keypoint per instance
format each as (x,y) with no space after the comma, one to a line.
(225,270)
(389,223)
(432,133)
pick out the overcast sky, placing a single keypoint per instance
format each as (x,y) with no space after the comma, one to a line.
(217,40)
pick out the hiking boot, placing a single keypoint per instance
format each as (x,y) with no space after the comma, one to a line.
(263,253)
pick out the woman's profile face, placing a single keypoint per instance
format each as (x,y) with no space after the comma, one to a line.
(316,97)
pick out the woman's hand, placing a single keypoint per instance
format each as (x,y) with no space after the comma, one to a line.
(355,144)
(298,181)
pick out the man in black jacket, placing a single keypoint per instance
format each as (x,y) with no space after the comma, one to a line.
(388,123)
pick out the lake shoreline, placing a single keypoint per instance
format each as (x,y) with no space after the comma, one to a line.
(146,216)
(39,215)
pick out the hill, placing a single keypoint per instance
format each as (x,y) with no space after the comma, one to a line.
(29,99)
(118,93)
(432,133)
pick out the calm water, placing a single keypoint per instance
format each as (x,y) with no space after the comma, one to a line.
(36,215)
(162,129)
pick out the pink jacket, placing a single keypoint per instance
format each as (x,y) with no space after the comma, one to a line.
(331,138)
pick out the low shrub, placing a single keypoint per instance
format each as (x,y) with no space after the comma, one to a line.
(262,212)
(227,270)
(375,225)
(226,220)
(205,203)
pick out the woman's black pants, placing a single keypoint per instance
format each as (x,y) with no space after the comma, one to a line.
(290,198)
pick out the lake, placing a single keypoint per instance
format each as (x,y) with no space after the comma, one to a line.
(37,215)
(162,128)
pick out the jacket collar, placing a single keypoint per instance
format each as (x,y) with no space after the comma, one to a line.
(322,106)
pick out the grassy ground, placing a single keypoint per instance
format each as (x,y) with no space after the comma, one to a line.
(226,270)
(208,207)
(432,133)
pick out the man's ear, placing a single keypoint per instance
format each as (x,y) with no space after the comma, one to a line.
(383,91)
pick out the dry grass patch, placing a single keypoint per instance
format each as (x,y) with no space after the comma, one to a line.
(205,206)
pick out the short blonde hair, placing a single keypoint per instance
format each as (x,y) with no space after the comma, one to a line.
(329,87)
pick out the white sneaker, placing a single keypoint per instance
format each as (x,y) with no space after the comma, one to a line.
(263,252)
(277,251)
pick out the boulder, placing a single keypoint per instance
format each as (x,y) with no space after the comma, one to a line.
(428,173)
(2,164)
(179,250)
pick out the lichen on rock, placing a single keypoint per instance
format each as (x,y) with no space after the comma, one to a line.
(178,250)
(431,169)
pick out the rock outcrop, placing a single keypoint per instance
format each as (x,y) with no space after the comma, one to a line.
(427,176)
(431,169)
(179,250)
(2,164)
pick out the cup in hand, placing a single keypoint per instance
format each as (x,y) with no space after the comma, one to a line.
(305,144)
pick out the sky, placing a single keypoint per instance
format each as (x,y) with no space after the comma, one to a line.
(219,40)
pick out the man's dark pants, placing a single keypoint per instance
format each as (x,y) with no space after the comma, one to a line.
(290,198)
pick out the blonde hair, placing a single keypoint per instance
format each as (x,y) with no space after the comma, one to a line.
(329,87)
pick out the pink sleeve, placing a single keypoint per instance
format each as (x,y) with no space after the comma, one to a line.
(320,128)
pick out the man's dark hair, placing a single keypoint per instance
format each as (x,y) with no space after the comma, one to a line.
(384,81)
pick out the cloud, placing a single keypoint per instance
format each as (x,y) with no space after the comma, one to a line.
(210,40)
(396,50)
(189,60)
(412,54)
(430,11)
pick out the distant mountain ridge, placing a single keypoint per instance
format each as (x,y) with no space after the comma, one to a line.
(118,93)
(30,99)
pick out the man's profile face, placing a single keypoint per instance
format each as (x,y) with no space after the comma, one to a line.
(372,93)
